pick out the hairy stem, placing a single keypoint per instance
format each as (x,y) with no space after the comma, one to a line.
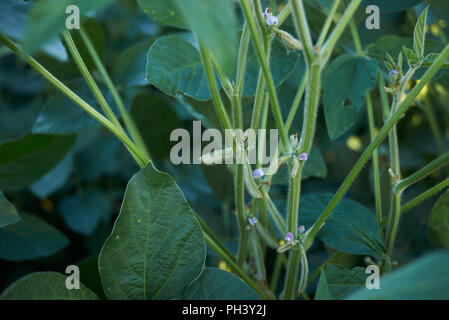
(129,122)
(258,44)
(364,158)
(140,158)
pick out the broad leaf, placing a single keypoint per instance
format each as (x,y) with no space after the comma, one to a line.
(24,161)
(214,23)
(30,238)
(128,66)
(8,213)
(216,284)
(156,248)
(336,282)
(350,228)
(419,34)
(13,19)
(42,26)
(165,12)
(438,225)
(83,211)
(174,66)
(322,290)
(424,279)
(155,120)
(346,82)
(53,180)
(45,286)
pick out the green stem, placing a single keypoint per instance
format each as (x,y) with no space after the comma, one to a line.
(208,231)
(429,193)
(276,272)
(133,149)
(275,215)
(376,173)
(395,117)
(372,129)
(258,255)
(328,23)
(329,45)
(433,122)
(291,278)
(435,165)
(220,109)
(267,74)
(302,29)
(239,271)
(129,122)
(90,80)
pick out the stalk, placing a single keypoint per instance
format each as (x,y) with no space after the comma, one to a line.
(364,158)
(129,122)
(258,44)
(140,158)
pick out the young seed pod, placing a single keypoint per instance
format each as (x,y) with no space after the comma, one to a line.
(290,41)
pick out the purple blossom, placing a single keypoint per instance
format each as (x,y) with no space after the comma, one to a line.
(272,21)
(302,229)
(303,156)
(393,73)
(258,173)
(289,237)
(252,221)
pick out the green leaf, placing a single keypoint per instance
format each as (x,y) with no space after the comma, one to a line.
(322,291)
(155,120)
(174,66)
(214,23)
(165,12)
(424,279)
(216,284)
(431,58)
(156,248)
(53,180)
(45,286)
(24,161)
(350,228)
(339,282)
(220,180)
(412,57)
(43,26)
(30,238)
(128,66)
(83,211)
(8,213)
(419,34)
(346,82)
(438,225)
(13,17)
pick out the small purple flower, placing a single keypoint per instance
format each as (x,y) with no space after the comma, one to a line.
(258,173)
(272,21)
(393,73)
(302,229)
(289,237)
(252,221)
(303,156)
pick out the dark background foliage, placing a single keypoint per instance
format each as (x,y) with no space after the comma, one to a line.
(80,192)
